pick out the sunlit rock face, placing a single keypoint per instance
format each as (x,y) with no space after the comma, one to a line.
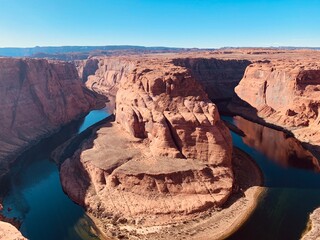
(37,98)
(167,156)
(9,232)
(283,93)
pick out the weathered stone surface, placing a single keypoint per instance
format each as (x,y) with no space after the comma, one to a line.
(313,231)
(37,98)
(9,232)
(166,158)
(284,93)
(110,72)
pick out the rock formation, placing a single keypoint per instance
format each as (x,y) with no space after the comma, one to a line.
(86,68)
(284,93)
(9,232)
(38,97)
(313,231)
(110,72)
(166,158)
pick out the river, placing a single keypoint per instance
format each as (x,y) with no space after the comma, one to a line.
(33,194)
(292,179)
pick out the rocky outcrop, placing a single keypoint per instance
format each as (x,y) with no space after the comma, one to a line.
(9,232)
(283,93)
(38,97)
(166,158)
(218,77)
(313,228)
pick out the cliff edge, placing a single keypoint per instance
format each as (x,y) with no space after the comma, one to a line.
(38,97)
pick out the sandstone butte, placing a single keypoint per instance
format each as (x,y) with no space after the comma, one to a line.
(167,158)
(37,98)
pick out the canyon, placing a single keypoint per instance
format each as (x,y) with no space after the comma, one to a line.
(274,88)
(166,163)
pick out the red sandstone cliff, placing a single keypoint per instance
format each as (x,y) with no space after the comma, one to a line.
(283,93)
(166,159)
(37,98)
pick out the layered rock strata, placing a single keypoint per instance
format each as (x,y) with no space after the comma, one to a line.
(166,158)
(38,97)
(285,94)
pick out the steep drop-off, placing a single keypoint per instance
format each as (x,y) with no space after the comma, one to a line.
(285,94)
(86,68)
(166,158)
(37,98)
(218,77)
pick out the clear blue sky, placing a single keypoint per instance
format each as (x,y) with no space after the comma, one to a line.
(176,23)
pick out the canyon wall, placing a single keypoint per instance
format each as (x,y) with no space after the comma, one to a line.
(86,68)
(165,159)
(38,97)
(283,93)
(110,72)
(218,77)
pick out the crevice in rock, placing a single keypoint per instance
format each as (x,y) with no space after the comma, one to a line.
(174,136)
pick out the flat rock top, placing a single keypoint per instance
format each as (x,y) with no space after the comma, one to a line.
(161,166)
(120,152)
(131,159)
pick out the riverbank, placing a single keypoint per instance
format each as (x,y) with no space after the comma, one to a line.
(217,223)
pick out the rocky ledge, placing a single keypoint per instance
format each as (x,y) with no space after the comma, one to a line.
(166,158)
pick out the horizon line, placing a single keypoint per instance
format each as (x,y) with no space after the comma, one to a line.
(159,46)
